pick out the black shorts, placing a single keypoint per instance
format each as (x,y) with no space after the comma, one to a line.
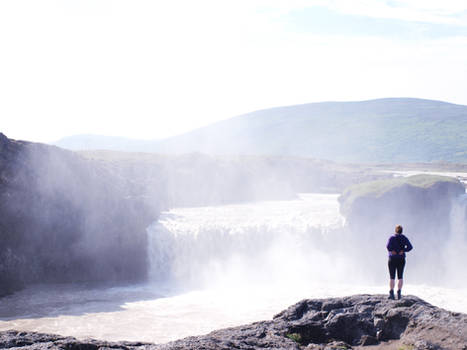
(396,263)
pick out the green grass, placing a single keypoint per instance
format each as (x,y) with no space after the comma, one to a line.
(296,337)
(377,188)
(406,347)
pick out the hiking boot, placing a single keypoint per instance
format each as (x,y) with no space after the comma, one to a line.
(399,296)
(391,295)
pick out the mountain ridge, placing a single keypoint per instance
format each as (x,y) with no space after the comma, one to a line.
(383,130)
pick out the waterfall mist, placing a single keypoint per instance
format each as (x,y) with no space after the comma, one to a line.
(454,252)
(297,243)
(264,242)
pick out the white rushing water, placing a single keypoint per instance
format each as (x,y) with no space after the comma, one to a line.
(252,243)
(213,267)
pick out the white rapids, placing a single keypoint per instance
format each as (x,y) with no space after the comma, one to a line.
(214,267)
(246,243)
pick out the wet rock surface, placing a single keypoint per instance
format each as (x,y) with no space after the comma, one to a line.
(29,340)
(354,322)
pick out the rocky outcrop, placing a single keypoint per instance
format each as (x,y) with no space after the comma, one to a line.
(64,218)
(343,323)
(25,340)
(355,322)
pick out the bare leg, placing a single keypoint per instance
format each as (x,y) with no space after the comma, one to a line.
(391,289)
(400,282)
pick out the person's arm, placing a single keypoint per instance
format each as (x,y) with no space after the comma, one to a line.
(407,246)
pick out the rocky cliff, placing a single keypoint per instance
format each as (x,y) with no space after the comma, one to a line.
(355,322)
(64,218)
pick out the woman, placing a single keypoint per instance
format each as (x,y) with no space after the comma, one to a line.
(397,246)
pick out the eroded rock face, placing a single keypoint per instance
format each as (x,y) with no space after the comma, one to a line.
(64,218)
(339,323)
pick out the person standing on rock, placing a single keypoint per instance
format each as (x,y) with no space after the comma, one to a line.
(397,246)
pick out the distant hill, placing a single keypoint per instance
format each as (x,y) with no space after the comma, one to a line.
(385,130)
(99,142)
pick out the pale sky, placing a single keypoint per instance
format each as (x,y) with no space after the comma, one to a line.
(153,69)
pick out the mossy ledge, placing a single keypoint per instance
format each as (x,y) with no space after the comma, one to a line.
(375,190)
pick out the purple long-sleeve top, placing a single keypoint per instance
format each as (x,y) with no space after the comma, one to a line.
(399,242)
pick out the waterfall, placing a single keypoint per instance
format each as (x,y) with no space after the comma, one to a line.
(246,243)
(294,242)
(456,247)
(459,220)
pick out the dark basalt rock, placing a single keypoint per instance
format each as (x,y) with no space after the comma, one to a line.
(339,323)
(31,340)
(353,322)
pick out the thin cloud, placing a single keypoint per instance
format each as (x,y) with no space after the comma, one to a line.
(453,12)
(450,12)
